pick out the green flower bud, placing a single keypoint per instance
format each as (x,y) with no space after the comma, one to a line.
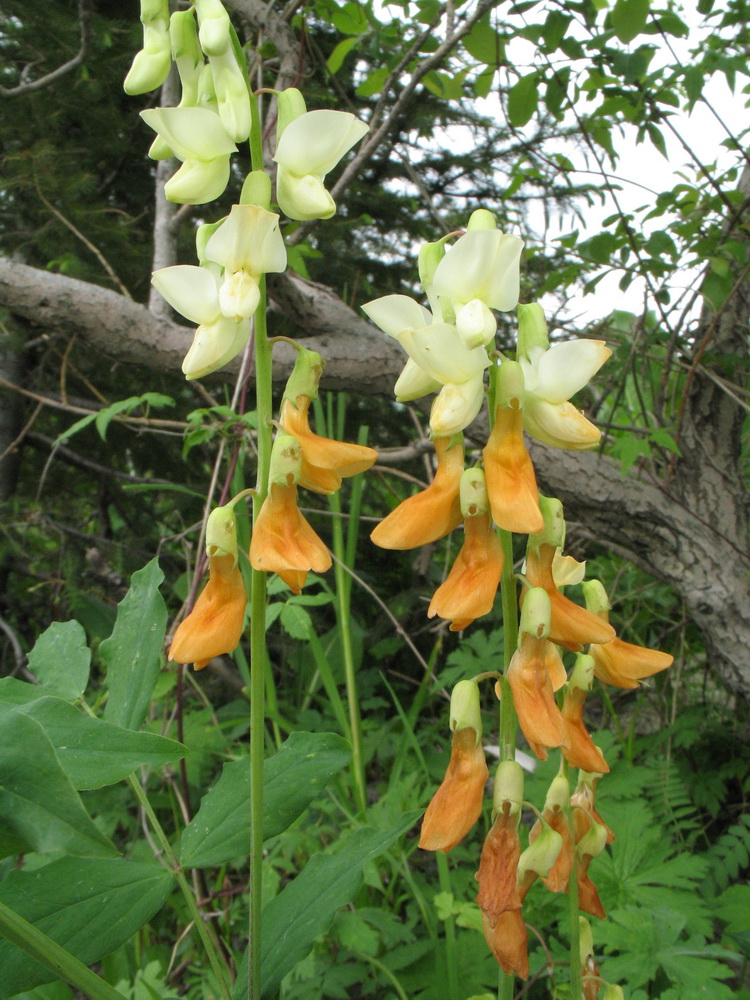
(481,219)
(553,532)
(540,856)
(593,841)
(286,460)
(203,234)
(214,31)
(466,712)
(473,493)
(305,376)
(508,787)
(596,597)
(430,255)
(532,329)
(613,992)
(583,672)
(558,794)
(585,940)
(257,190)
(535,614)
(290,104)
(510,385)
(221,533)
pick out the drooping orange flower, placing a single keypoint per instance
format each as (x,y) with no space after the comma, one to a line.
(324,461)
(498,866)
(214,626)
(508,942)
(538,714)
(571,625)
(581,752)
(283,541)
(588,894)
(623,664)
(591,836)
(555,815)
(431,514)
(469,589)
(511,481)
(457,804)
(555,666)
(583,801)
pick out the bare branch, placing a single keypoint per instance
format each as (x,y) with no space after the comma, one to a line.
(28,87)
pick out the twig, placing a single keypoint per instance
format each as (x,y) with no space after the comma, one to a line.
(27,87)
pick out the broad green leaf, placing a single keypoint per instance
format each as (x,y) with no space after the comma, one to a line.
(61,659)
(296,621)
(629,18)
(484,43)
(336,59)
(90,907)
(523,98)
(733,907)
(38,803)
(292,778)
(350,19)
(92,752)
(373,83)
(306,907)
(133,651)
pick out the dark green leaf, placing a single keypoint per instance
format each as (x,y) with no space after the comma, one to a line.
(523,98)
(336,59)
(60,660)
(89,907)
(38,803)
(292,778)
(92,752)
(132,653)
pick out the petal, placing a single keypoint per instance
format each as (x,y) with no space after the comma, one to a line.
(582,753)
(214,626)
(438,350)
(197,181)
(191,133)
(413,383)
(396,313)
(511,481)
(469,589)
(214,346)
(456,406)
(239,295)
(191,290)
(303,197)
(498,867)
(475,324)
(248,239)
(457,804)
(623,664)
(566,368)
(483,264)
(538,714)
(559,425)
(314,142)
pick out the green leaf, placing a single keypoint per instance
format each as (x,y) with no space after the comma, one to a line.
(292,778)
(89,907)
(733,907)
(523,98)
(336,59)
(306,907)
(61,659)
(350,19)
(373,83)
(629,18)
(296,621)
(132,653)
(38,803)
(485,44)
(92,752)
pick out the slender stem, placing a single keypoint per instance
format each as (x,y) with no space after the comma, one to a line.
(444,877)
(200,924)
(508,721)
(576,986)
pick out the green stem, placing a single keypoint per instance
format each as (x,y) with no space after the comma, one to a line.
(576,985)
(509,598)
(444,877)
(53,956)
(187,892)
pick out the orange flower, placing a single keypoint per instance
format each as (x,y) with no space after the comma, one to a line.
(555,815)
(584,810)
(457,804)
(570,624)
(324,461)
(538,714)
(511,482)
(582,752)
(470,588)
(588,894)
(214,626)
(591,835)
(283,542)
(431,514)
(498,866)
(508,941)
(623,664)
(555,667)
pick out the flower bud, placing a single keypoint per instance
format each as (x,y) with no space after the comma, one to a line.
(583,673)
(532,330)
(290,104)
(613,992)
(535,614)
(510,386)
(594,840)
(473,493)
(232,95)
(585,940)
(455,406)
(466,712)
(286,460)
(558,794)
(198,181)
(257,190)
(151,65)
(553,532)
(508,787)
(214,32)
(202,235)
(305,376)
(540,856)
(596,598)
(221,533)
(186,52)
(430,255)
(481,219)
